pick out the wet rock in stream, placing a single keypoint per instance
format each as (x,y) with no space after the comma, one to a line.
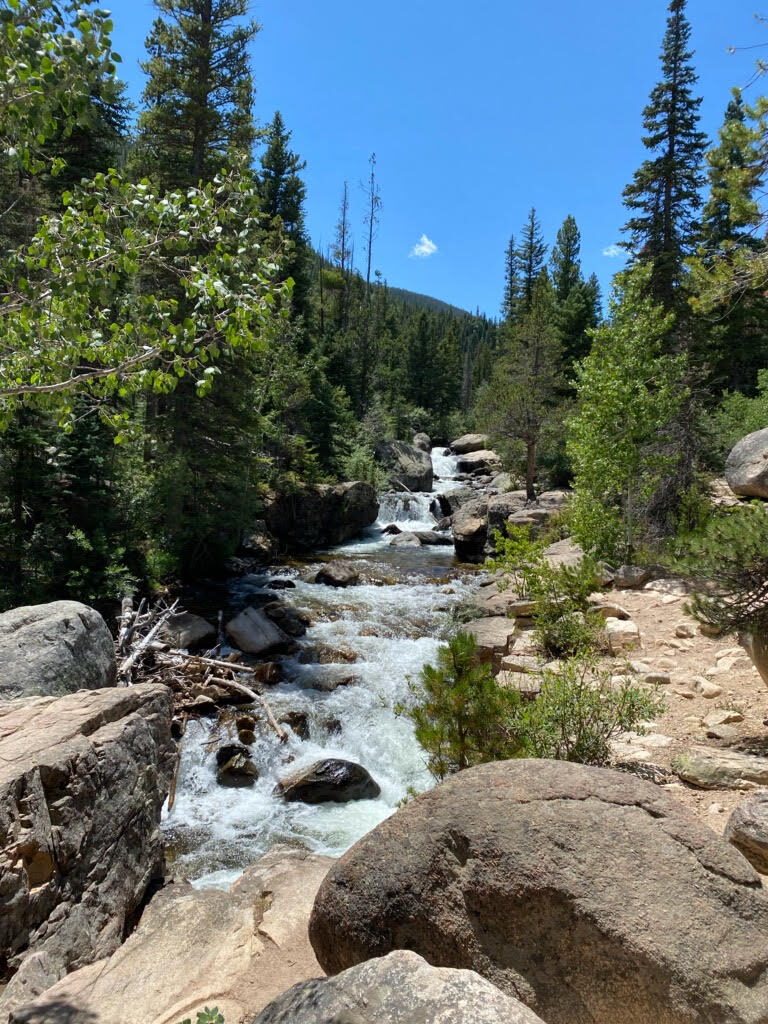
(331,780)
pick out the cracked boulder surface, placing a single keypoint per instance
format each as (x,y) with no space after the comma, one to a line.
(82,782)
(236,950)
(588,894)
(53,649)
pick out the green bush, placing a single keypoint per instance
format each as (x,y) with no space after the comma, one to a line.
(463,717)
(579,712)
(205,1016)
(565,623)
(361,465)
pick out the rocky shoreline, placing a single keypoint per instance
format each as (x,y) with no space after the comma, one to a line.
(614,877)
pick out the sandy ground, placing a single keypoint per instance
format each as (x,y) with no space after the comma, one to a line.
(659,615)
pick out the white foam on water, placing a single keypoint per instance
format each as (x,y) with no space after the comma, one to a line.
(215,831)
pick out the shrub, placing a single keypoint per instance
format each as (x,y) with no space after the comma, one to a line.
(205,1016)
(463,717)
(361,465)
(565,623)
(579,712)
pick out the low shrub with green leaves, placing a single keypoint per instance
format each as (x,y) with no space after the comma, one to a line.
(565,623)
(464,717)
(205,1016)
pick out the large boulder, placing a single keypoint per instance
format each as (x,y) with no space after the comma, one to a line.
(82,782)
(747,830)
(193,948)
(710,768)
(328,781)
(187,630)
(52,649)
(254,632)
(746,468)
(321,515)
(408,468)
(470,530)
(588,893)
(479,462)
(338,574)
(502,506)
(401,988)
(469,443)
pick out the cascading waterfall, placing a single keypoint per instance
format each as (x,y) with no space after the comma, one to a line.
(371,637)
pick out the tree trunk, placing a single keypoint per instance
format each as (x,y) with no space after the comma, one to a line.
(530,472)
(756,646)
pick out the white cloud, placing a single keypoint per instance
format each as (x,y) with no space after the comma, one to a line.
(613,251)
(424,248)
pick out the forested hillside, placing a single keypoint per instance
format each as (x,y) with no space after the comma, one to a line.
(174,347)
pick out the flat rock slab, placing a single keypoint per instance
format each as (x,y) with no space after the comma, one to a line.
(401,988)
(82,782)
(589,894)
(53,649)
(721,769)
(254,632)
(469,443)
(193,948)
(494,637)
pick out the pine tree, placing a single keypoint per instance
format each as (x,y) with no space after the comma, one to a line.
(282,193)
(664,197)
(521,397)
(577,301)
(510,306)
(564,263)
(199,92)
(530,256)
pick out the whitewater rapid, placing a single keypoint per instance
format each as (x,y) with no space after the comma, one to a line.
(377,636)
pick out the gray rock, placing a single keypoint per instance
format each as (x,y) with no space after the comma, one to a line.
(746,468)
(53,649)
(400,988)
(405,540)
(469,443)
(502,506)
(322,515)
(453,500)
(589,894)
(494,637)
(82,782)
(747,830)
(632,577)
(253,632)
(429,538)
(479,462)
(38,972)
(291,620)
(331,780)
(338,574)
(187,630)
(235,950)
(721,769)
(422,442)
(470,530)
(408,468)
(564,552)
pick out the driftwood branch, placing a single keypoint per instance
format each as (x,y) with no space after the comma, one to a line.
(125,669)
(257,699)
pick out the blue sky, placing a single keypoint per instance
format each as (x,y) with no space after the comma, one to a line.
(476,112)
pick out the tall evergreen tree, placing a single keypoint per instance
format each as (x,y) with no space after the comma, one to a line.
(510,306)
(564,263)
(199,90)
(282,193)
(664,196)
(530,255)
